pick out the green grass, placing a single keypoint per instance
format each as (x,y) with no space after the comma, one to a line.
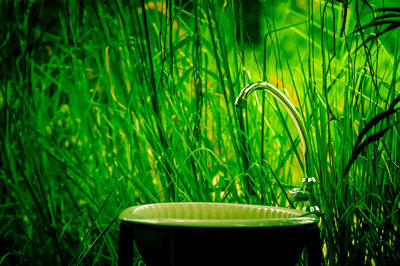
(111,104)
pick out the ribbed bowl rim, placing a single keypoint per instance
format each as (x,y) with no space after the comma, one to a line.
(135,215)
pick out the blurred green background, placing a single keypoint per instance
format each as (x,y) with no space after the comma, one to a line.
(109,104)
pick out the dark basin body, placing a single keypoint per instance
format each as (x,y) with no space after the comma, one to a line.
(174,245)
(218,234)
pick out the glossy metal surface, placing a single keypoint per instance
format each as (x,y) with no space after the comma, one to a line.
(307,192)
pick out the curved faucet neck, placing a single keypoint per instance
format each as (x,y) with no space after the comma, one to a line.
(241,102)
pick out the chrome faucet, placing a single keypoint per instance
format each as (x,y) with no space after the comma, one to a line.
(305,194)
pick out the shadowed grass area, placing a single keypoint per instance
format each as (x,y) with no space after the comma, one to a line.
(110,104)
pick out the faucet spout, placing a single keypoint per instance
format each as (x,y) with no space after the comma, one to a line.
(241,102)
